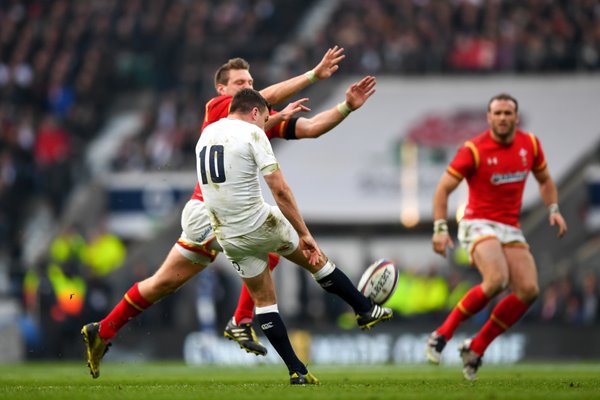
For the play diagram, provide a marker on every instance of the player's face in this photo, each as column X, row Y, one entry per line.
column 238, row 79
column 502, row 118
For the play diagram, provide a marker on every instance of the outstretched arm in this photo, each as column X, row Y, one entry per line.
column 356, row 95
column 549, row 195
column 441, row 239
column 287, row 204
column 280, row 92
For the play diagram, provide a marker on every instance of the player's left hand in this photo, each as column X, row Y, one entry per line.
column 358, row 93
column 329, row 63
column 557, row 219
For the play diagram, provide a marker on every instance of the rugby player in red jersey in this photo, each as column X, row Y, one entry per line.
column 197, row 247
column 495, row 164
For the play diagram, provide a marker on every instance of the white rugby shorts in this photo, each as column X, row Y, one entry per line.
column 474, row 231
column 197, row 242
column 249, row 253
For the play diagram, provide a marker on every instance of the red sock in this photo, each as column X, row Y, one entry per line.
column 469, row 305
column 131, row 306
column 245, row 308
column 504, row 315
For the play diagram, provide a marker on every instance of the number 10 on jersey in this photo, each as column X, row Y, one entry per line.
column 216, row 164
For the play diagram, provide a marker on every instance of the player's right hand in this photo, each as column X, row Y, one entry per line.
column 294, row 107
column 440, row 242
column 310, row 249
column 329, row 63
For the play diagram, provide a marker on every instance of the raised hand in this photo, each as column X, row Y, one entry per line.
column 293, row 108
column 329, row 63
column 358, row 93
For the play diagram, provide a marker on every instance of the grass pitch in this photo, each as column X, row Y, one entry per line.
column 144, row 381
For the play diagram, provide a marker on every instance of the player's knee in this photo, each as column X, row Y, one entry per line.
column 528, row 293
column 495, row 284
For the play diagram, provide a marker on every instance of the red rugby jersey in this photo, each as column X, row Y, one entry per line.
column 496, row 174
column 217, row 108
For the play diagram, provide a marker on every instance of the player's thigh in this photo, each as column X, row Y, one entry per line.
column 175, row 271
column 176, row 267
column 483, row 241
column 197, row 242
column 249, row 257
column 523, row 272
column 490, row 260
column 249, row 252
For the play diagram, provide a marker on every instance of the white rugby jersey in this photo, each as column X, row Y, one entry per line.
column 229, row 155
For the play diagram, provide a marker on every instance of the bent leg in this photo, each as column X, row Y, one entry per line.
column 332, row 280
column 172, row 274
column 523, row 282
column 523, row 273
column 491, row 263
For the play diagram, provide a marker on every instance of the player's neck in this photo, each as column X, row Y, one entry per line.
column 503, row 139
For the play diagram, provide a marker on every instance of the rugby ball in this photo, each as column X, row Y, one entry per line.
column 379, row 281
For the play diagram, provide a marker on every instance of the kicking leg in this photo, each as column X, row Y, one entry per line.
column 333, row 280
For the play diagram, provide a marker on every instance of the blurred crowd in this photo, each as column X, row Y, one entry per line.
column 430, row 36
column 65, row 64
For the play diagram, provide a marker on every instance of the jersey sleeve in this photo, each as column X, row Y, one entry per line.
column 539, row 160
column 263, row 153
column 465, row 161
column 283, row 130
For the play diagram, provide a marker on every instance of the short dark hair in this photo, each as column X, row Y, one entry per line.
column 222, row 74
column 246, row 99
column 504, row 96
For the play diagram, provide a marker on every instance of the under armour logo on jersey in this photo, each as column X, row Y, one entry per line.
column 492, row 161
column 266, row 326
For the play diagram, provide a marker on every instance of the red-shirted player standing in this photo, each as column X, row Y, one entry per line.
column 196, row 248
column 496, row 165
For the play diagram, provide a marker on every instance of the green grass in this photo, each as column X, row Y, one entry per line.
column 143, row 381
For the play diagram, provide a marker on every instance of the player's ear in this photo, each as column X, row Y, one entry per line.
column 220, row 89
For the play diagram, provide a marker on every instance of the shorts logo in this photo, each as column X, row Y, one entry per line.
column 266, row 326
column 204, row 234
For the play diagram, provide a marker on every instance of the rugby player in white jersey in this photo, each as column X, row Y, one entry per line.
column 230, row 154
